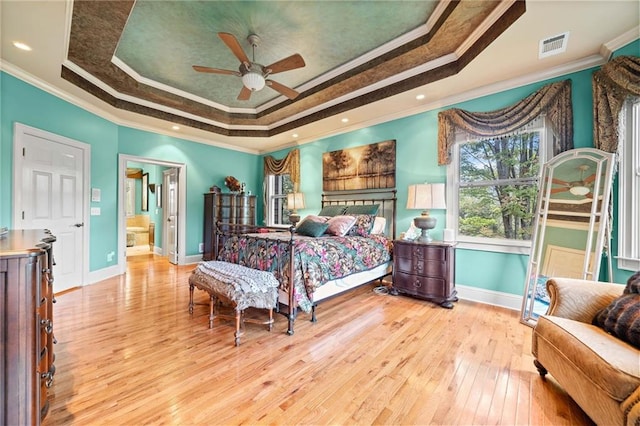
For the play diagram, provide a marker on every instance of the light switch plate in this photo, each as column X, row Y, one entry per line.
column 95, row 211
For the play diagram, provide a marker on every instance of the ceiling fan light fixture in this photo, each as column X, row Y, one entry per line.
column 253, row 81
column 579, row 190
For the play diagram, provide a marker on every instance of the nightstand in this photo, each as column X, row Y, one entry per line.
column 425, row 271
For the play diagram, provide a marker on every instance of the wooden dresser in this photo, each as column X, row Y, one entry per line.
column 26, row 326
column 239, row 209
column 425, row 270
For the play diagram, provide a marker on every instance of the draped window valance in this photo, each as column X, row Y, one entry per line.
column 553, row 100
column 288, row 165
column 612, row 84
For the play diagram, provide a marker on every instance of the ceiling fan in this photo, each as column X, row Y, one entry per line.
column 254, row 75
column 580, row 187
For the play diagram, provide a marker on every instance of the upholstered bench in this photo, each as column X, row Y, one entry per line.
column 237, row 285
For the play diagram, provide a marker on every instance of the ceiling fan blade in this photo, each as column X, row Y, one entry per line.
column 290, row 63
column 200, row 68
column 284, row 90
column 232, row 43
column 589, row 179
column 245, row 94
column 560, row 182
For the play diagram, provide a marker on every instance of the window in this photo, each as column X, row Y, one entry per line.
column 494, row 189
column 629, row 186
column 277, row 188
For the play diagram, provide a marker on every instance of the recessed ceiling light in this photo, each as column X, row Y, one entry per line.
column 175, row 127
column 345, row 120
column 22, row 46
column 420, row 97
column 295, row 135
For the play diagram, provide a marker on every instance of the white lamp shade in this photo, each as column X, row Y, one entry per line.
column 253, row 81
column 426, row 196
column 295, row 201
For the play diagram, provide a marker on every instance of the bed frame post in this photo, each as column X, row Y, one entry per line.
column 292, row 307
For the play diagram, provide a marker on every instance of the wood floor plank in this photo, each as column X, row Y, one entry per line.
column 130, row 353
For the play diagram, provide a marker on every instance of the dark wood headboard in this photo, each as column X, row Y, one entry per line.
column 386, row 198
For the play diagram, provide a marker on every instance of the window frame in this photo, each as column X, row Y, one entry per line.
column 499, row 245
column 628, row 257
column 271, row 195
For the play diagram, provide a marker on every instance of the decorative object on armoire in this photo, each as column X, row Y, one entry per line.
column 26, row 316
column 295, row 201
column 425, row 197
column 232, row 183
column 571, row 228
column 215, row 189
column 226, row 208
column 370, row 166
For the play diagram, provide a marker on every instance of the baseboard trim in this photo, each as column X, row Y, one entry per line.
column 188, row 260
column 490, row 297
column 103, row 274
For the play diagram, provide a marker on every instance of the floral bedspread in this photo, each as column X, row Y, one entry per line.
column 317, row 260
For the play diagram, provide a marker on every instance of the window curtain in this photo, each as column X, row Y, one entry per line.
column 553, row 100
column 288, row 165
column 612, row 84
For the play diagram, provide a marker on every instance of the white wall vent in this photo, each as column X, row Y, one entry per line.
column 553, row 45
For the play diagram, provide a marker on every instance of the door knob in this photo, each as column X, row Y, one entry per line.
column 78, row 225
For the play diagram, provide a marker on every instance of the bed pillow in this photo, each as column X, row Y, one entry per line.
column 334, row 210
column 340, row 225
column 379, row 226
column 362, row 209
column 311, row 228
column 314, row 218
column 363, row 225
column 621, row 318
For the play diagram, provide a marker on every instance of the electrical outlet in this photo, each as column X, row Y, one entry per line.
column 201, row 248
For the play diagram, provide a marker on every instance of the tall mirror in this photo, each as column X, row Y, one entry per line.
column 571, row 224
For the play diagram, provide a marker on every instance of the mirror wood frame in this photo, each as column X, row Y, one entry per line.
column 564, row 210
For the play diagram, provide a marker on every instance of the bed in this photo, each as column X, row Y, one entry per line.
column 312, row 269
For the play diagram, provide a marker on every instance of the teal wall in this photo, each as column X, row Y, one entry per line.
column 206, row 165
column 416, row 162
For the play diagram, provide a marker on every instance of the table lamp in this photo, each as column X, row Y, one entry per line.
column 425, row 197
column 295, row 201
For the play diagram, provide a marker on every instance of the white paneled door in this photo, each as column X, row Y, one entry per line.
column 171, row 213
column 49, row 188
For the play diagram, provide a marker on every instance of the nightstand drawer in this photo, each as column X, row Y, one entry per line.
column 419, row 266
column 422, row 286
column 420, row 251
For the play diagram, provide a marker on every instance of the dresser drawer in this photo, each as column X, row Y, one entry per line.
column 409, row 251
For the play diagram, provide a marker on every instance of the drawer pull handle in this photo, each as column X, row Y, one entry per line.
column 417, row 284
column 48, row 378
column 46, row 325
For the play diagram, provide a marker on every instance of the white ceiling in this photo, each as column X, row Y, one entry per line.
column 595, row 27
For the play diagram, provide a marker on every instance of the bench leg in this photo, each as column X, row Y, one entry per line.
column 238, row 321
column 212, row 309
column 270, row 319
column 191, row 298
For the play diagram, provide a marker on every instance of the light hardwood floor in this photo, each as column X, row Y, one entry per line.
column 130, row 353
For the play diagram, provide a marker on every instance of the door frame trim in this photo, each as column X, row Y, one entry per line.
column 182, row 206
column 19, row 130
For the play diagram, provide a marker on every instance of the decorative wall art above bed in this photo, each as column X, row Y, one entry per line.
column 370, row 166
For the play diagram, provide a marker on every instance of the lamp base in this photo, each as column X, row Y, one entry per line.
column 294, row 219
column 425, row 223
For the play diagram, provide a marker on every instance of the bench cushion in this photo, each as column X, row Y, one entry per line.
column 244, row 286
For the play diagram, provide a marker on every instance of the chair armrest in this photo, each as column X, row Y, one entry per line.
column 578, row 299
